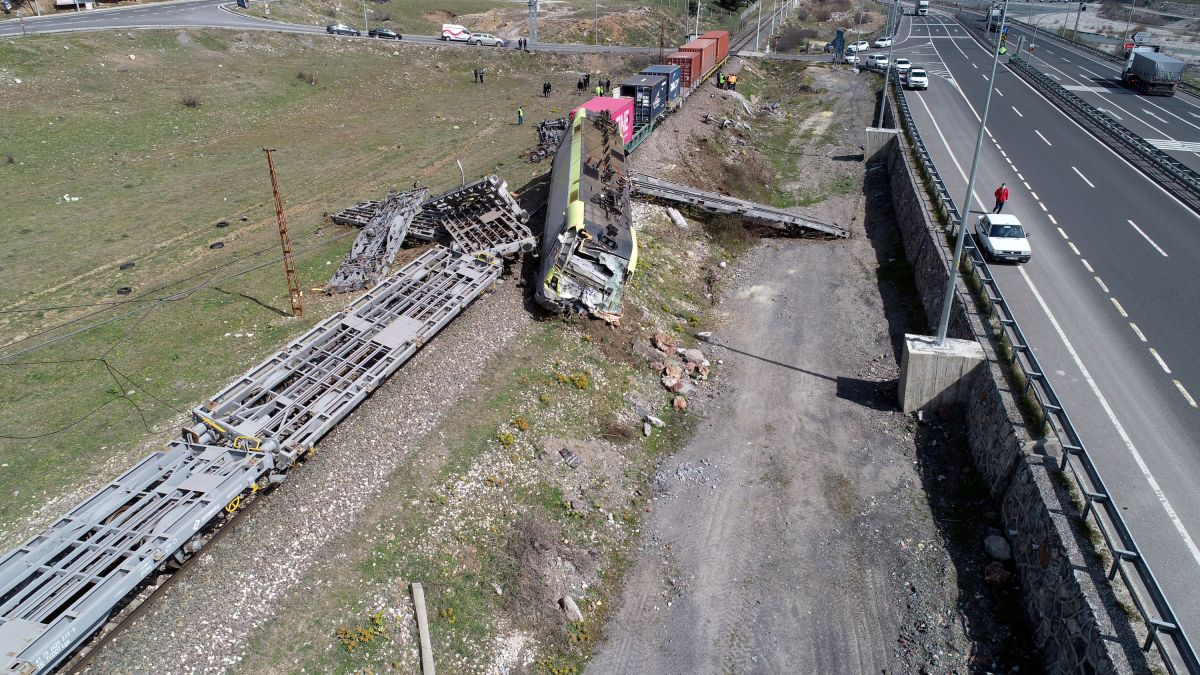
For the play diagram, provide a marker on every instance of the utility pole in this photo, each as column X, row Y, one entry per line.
column 1078, row 13
column 948, row 298
column 596, row 25
column 758, row 24
column 774, row 12
column 366, row 28
column 1128, row 19
column 699, row 7
column 289, row 265
column 533, row 10
column 887, row 72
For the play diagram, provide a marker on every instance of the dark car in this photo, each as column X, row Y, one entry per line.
column 342, row 29
column 384, row 33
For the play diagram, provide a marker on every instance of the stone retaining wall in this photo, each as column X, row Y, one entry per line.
column 1075, row 612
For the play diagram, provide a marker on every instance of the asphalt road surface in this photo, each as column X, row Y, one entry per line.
column 1108, row 301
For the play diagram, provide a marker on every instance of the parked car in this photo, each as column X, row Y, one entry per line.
column 917, row 79
column 902, row 66
column 885, row 41
column 852, row 59
column 384, row 34
column 452, row 32
column 485, row 40
column 879, row 61
column 859, row 46
column 1001, row 237
column 342, row 29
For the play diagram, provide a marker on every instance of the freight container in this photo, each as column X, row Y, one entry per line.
column 672, row 73
column 722, row 38
column 620, row 109
column 708, row 61
column 1151, row 72
column 649, row 94
column 689, row 67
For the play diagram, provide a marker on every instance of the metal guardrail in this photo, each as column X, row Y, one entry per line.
column 1176, row 177
column 1099, row 508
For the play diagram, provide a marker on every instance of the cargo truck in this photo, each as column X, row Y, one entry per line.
column 1150, row 72
column 922, row 7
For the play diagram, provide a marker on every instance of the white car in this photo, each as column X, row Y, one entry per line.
column 885, row 41
column 485, row 39
column 1001, row 237
column 855, row 47
column 917, row 79
column 902, row 66
column 852, row 59
column 879, row 61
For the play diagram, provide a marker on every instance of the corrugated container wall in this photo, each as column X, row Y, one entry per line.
column 708, row 58
column 722, row 38
column 689, row 63
column 649, row 94
column 620, row 109
column 673, row 74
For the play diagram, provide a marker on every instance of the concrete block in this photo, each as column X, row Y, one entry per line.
column 933, row 376
column 877, row 139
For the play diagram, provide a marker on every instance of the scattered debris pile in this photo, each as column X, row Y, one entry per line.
column 550, row 134
column 480, row 217
column 376, row 246
column 358, row 215
column 679, row 367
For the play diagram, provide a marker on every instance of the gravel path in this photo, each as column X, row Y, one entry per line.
column 200, row 625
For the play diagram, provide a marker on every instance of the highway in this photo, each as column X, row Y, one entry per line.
column 1170, row 123
column 1108, row 301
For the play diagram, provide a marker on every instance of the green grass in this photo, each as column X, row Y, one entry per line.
column 153, row 176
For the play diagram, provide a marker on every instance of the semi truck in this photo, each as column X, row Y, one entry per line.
column 922, row 7
column 1150, row 72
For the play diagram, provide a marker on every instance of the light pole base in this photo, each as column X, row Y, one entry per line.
column 936, row 377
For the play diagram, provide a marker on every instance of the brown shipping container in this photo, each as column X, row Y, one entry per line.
column 708, row 51
column 722, row 38
column 688, row 62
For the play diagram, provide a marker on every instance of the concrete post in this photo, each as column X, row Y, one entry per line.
column 933, row 376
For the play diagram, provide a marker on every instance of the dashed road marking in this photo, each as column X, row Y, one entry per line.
column 1138, row 331
column 1075, row 250
column 1119, row 308
column 1147, row 237
column 1052, row 220
column 1017, row 111
column 1026, row 184
column 1154, row 116
column 1110, row 113
column 1043, row 137
column 1034, row 195
column 1102, row 286
column 1160, row 360
column 999, row 92
column 1080, row 174
column 1191, row 401
column 1044, row 209
column 1087, row 265
column 1020, row 176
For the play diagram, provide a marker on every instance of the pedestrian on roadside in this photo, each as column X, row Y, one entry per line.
column 1001, row 197
column 481, row 76
column 579, row 85
column 520, row 116
column 608, row 85
column 733, row 82
column 587, row 80
column 720, row 80
column 599, row 90
column 475, row 74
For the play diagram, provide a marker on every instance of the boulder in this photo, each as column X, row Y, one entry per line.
column 679, row 403
column 997, row 547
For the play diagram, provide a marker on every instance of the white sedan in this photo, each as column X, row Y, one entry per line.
column 859, row 46
column 902, row 66
column 885, row 41
column 917, row 79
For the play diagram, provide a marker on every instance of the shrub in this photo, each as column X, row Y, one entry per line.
column 191, row 101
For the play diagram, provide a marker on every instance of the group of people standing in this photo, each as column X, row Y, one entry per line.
column 727, row 81
column 585, row 83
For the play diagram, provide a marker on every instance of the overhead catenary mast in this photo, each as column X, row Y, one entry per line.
column 289, row 265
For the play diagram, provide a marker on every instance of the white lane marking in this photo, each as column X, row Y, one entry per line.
column 1080, row 173
column 946, row 144
column 1043, row 137
column 1091, row 73
column 1003, row 153
column 1154, row 116
column 1172, row 144
column 1017, row 111
column 1064, row 234
column 999, row 92
column 1034, row 195
column 1191, row 401
column 1160, row 360
column 983, row 76
column 1120, row 309
column 1106, row 111
column 1014, row 168
column 1112, row 417
column 1105, row 288
column 1044, row 209
column 1138, row 331
column 1055, row 222
column 1020, row 176
column 1087, row 265
column 1147, row 237
column 1074, row 249
column 976, row 68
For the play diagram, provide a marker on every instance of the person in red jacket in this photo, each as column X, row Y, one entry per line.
column 1001, row 197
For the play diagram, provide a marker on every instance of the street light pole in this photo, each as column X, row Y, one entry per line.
column 952, row 276
column 366, row 28
column 1078, row 13
column 887, row 72
column 774, row 11
column 1128, row 19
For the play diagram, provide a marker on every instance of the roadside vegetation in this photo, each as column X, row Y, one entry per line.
column 148, row 198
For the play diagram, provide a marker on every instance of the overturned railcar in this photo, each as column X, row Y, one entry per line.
column 589, row 246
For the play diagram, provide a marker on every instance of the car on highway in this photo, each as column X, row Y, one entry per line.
column 384, row 34
column 879, row 61
column 852, row 59
column 902, row 66
column 485, row 40
column 342, row 29
column 917, row 79
column 859, row 46
column 1001, row 237
column 885, row 41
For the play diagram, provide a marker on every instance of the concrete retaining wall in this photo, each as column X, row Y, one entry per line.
column 1078, row 620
